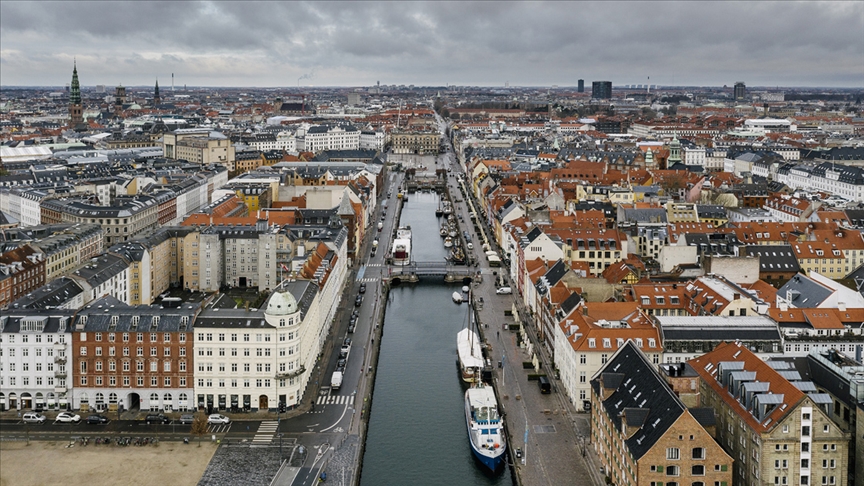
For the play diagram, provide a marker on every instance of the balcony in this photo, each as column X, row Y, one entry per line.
column 60, row 374
column 59, row 388
column 60, row 359
column 291, row 374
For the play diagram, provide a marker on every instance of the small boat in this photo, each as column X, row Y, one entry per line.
column 443, row 231
column 402, row 246
column 452, row 234
column 465, row 289
column 485, row 427
column 448, row 242
column 457, row 297
column 457, row 256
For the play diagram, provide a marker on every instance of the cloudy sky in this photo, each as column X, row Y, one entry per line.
column 783, row 43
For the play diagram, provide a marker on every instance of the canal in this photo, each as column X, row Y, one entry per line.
column 417, row 431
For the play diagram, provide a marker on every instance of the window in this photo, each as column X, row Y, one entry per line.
column 673, row 453
column 825, row 429
column 698, row 470
column 671, row 470
column 698, row 453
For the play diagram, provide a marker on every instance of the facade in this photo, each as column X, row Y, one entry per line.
column 323, row 137
column 643, row 433
column 133, row 357
column 601, row 90
column 419, row 141
column 67, row 248
column 34, row 348
column 199, row 146
column 739, row 91
column 121, row 221
column 261, row 359
column 774, row 423
column 21, row 271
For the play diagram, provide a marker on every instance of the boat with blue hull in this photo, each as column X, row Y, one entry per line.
column 485, row 427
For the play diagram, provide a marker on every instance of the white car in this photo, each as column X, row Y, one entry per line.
column 67, row 417
column 218, row 419
column 504, row 291
column 34, row 418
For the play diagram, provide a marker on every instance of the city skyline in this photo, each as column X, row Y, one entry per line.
column 433, row 44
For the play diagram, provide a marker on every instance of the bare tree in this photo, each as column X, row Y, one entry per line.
column 199, row 427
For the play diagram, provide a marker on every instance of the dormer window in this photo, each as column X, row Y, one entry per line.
column 592, row 343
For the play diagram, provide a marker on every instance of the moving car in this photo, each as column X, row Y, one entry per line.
column 218, row 419
column 67, row 417
column 156, row 418
column 97, row 419
column 33, row 418
column 187, row 418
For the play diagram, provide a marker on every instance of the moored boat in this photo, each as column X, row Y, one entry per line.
column 402, row 246
column 485, row 427
column 457, row 297
column 448, row 242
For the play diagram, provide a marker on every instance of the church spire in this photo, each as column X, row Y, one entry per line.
column 156, row 98
column 75, row 89
column 76, row 112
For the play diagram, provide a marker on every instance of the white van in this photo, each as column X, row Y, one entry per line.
column 504, row 291
column 33, row 418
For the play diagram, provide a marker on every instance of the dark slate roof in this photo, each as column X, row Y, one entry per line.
column 846, row 173
column 108, row 314
column 774, row 258
column 232, row 319
column 51, row 295
column 710, row 211
column 717, row 333
column 570, row 303
column 101, row 269
column 53, row 320
column 705, row 416
column 642, row 388
column 644, row 215
column 804, row 292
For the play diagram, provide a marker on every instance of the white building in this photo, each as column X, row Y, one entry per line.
column 323, row 137
column 34, row 347
column 372, row 140
column 257, row 360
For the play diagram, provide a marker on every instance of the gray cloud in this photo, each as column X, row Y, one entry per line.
column 484, row 43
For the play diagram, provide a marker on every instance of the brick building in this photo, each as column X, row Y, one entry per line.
column 643, row 433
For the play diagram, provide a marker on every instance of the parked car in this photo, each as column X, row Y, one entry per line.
column 346, row 342
column 362, row 288
column 340, row 365
column 33, row 418
column 97, row 419
column 218, row 419
column 504, row 291
column 68, row 417
column 358, row 301
column 156, row 418
column 187, row 418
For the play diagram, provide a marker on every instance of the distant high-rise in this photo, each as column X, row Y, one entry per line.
column 581, row 88
column 76, row 112
column 740, row 91
column 601, row 90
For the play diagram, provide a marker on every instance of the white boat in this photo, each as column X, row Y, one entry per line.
column 457, row 297
column 402, row 246
column 469, row 353
column 448, row 242
column 466, row 289
column 485, row 427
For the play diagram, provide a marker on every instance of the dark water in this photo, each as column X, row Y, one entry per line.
column 419, row 213
column 417, row 432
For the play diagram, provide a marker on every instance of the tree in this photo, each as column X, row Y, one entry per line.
column 199, row 427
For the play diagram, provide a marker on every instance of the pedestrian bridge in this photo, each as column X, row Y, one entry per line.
column 414, row 271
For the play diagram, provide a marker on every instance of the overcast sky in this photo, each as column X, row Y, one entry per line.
column 487, row 43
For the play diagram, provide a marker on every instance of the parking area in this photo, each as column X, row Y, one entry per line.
column 178, row 464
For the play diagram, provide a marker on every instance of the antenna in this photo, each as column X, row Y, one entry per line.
column 649, row 85
column 172, row 82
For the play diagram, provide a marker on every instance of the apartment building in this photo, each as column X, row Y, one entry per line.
column 259, row 359
column 642, row 432
column 126, row 218
column 776, row 425
column 585, row 342
column 67, row 248
column 418, row 141
column 21, row 271
column 199, row 146
column 34, row 348
column 128, row 357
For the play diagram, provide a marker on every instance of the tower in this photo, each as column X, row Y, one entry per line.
column 119, row 98
column 156, row 99
column 601, row 90
column 76, row 113
column 740, row 91
column 580, row 86
column 674, row 152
